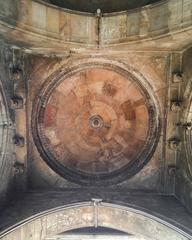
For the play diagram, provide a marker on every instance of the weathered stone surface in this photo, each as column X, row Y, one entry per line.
column 45, row 43
column 6, row 126
column 82, row 145
column 96, row 121
column 130, row 220
column 41, row 22
column 184, row 173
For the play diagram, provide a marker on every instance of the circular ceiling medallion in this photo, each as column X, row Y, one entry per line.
column 95, row 123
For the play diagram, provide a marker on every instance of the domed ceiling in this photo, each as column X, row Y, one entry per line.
column 94, row 125
column 106, row 6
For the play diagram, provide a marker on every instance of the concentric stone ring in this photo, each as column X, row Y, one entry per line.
column 95, row 124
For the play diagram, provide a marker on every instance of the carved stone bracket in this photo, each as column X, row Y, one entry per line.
column 174, row 143
column 98, row 13
column 7, row 125
column 16, row 73
column 177, row 77
column 176, row 105
column 187, row 126
column 18, row 168
column 172, row 169
column 16, row 102
column 96, row 203
column 18, row 140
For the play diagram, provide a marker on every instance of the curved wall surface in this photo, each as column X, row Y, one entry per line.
column 37, row 24
column 5, row 134
column 6, row 129
column 184, row 156
column 88, row 214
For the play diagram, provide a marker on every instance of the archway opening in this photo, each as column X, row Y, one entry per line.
column 97, row 218
column 107, row 6
column 92, row 233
